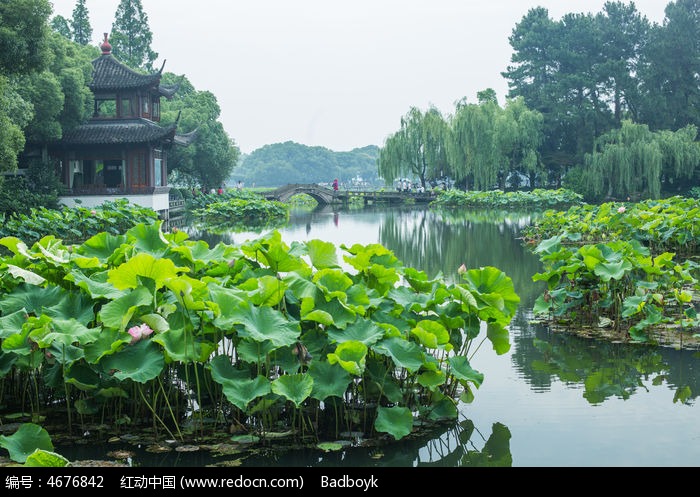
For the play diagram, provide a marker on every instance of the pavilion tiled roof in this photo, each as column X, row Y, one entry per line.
column 119, row 132
column 110, row 74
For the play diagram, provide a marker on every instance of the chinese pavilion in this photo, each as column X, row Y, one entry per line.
column 121, row 152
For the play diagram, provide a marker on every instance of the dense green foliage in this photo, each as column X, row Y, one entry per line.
column 211, row 158
column 236, row 210
column 629, row 267
column 152, row 327
column 283, row 163
column 75, row 225
column 537, row 199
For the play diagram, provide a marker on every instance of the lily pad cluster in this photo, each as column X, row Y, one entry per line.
column 149, row 327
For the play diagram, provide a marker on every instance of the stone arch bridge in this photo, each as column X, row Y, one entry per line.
column 325, row 196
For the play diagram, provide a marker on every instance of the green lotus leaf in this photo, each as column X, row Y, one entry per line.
column 275, row 252
column 382, row 279
column 16, row 246
column 265, row 290
column 409, row 299
column 418, row 280
column 45, row 459
column 330, row 380
column 29, row 277
column 242, row 392
column 549, row 246
column 322, row 254
column 82, row 376
column 222, row 370
column 396, row 421
column 143, row 264
column 432, row 379
column 612, row 270
column 230, row 301
column 200, row 254
column 182, row 346
column 148, row 238
column 103, row 246
column 300, row 286
column 365, row 255
column 463, row 371
column 65, row 332
column 96, row 285
column 265, row 323
column 294, row 387
column 499, row 337
column 85, row 262
column 53, row 251
column 592, row 255
column 442, row 408
column 362, row 330
column 7, row 362
column 309, row 313
column 492, row 281
column 342, row 315
column 380, row 382
column 351, row 356
column 253, row 351
column 140, row 362
column 317, row 343
column 156, row 322
column 191, row 292
column 358, row 298
column 17, row 343
column 466, row 297
column 432, row 334
column 633, row 305
column 12, row 323
column 32, row 298
column 332, row 281
column 73, row 305
column 118, row 313
column 405, row 354
column 108, row 342
column 22, row 443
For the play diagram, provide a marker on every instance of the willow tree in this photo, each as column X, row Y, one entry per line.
column 417, row 149
column 518, row 134
column 626, row 162
column 471, row 148
column 680, row 151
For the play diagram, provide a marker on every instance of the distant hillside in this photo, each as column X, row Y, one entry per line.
column 283, row 163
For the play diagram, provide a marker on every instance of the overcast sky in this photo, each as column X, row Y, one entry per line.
column 330, row 73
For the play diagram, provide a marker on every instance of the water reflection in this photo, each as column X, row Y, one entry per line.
column 602, row 369
column 554, row 399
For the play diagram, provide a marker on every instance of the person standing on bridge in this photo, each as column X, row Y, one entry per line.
column 335, row 185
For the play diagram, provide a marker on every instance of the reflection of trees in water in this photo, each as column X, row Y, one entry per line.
column 435, row 242
column 603, row 368
column 451, row 445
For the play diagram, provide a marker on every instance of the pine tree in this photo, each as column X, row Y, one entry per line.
column 131, row 36
column 80, row 24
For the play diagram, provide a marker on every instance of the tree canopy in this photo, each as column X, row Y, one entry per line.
column 131, row 36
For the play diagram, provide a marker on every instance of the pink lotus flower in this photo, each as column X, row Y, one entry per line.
column 93, row 212
column 139, row 332
column 621, row 209
column 462, row 269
